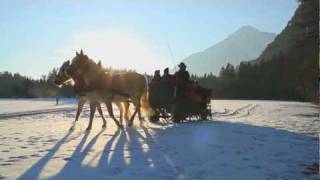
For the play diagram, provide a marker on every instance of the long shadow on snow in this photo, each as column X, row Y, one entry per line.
column 192, row 151
column 35, row 170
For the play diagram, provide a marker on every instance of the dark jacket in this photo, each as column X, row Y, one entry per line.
column 182, row 78
column 182, row 83
column 168, row 78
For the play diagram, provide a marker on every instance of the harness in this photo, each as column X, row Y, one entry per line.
column 97, row 86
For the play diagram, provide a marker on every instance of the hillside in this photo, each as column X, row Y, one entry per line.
column 286, row 70
column 297, row 45
column 245, row 44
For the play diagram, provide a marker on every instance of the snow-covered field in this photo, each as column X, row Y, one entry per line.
column 20, row 107
column 245, row 140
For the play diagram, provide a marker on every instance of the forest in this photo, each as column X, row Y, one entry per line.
column 276, row 79
column 18, row 86
column 14, row 85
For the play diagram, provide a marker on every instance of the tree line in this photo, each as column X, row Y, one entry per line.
column 19, row 86
column 277, row 79
column 14, row 85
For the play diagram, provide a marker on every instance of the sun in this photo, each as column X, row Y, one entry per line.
column 115, row 49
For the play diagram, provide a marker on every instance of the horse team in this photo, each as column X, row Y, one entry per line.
column 93, row 84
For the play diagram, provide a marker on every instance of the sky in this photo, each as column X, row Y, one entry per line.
column 37, row 36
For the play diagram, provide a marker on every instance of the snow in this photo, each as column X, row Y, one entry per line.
column 19, row 107
column 292, row 116
column 245, row 140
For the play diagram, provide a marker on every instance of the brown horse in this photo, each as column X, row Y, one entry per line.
column 131, row 84
column 63, row 77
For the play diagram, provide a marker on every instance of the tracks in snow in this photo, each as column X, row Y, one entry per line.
column 243, row 111
column 29, row 113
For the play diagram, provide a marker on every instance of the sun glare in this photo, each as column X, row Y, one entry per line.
column 116, row 50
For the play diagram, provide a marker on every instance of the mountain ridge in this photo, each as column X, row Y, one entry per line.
column 245, row 44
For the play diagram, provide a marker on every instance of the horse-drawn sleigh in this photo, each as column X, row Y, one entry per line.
column 167, row 104
column 97, row 86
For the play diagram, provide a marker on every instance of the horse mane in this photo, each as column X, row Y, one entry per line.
column 88, row 70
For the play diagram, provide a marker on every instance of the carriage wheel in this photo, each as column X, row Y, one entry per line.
column 155, row 118
column 204, row 115
column 178, row 116
column 180, row 111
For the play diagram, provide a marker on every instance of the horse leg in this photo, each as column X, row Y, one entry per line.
column 136, row 102
column 119, row 105
column 80, row 107
column 139, row 114
column 126, row 111
column 79, row 110
column 138, row 106
column 132, row 117
column 93, row 106
column 110, row 110
column 101, row 114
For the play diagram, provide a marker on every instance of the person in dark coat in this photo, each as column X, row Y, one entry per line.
column 167, row 77
column 168, row 82
column 156, row 76
column 182, row 81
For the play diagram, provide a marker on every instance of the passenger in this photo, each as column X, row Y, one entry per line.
column 182, row 81
column 156, row 76
column 167, row 77
column 168, row 82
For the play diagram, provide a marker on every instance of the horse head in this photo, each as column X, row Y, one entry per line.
column 83, row 67
column 81, row 70
column 64, row 74
column 79, row 63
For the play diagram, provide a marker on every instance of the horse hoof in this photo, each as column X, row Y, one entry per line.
column 71, row 129
column 88, row 129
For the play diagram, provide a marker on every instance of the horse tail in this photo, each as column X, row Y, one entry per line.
column 146, row 108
